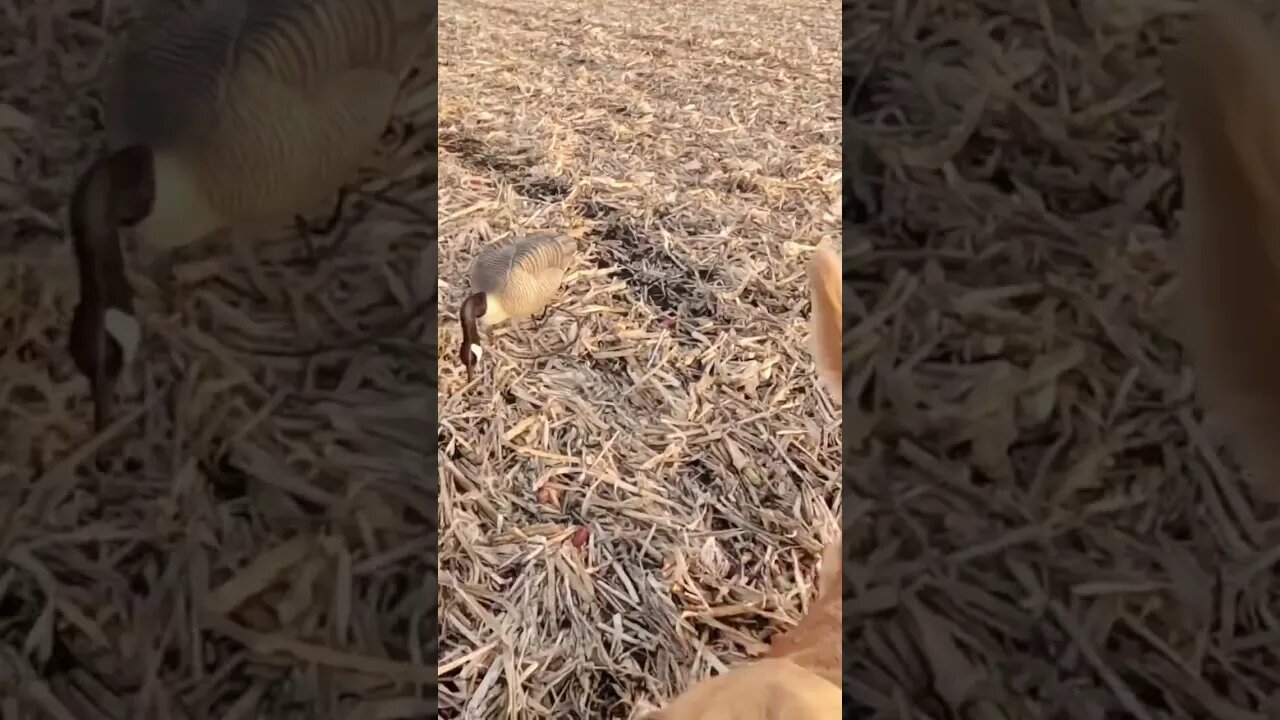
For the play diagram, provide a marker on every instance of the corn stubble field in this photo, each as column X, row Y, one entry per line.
column 1042, row 522
column 257, row 541
column 635, row 495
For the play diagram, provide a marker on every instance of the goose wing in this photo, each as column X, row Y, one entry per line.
column 181, row 60
column 531, row 256
column 271, row 104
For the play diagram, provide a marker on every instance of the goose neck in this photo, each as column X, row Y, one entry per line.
column 95, row 240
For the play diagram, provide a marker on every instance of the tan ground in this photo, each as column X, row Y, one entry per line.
column 259, row 542
column 693, row 148
column 1042, row 524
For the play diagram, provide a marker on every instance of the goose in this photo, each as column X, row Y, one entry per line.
column 228, row 115
column 104, row 334
column 515, row 280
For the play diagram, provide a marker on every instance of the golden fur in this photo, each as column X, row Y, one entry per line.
column 799, row 678
column 1228, row 105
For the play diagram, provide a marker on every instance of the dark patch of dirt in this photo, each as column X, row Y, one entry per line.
column 654, row 276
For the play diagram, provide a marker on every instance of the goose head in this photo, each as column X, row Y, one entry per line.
column 116, row 191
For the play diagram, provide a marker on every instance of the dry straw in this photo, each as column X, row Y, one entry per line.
column 256, row 546
column 1044, row 525
column 693, row 150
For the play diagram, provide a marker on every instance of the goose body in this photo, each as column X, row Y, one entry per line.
column 256, row 110
column 227, row 114
column 515, row 280
column 520, row 279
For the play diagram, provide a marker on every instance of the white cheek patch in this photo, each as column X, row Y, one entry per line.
column 126, row 330
column 477, row 351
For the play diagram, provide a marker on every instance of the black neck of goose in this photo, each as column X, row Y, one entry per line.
column 93, row 235
column 95, row 238
column 116, row 190
column 474, row 307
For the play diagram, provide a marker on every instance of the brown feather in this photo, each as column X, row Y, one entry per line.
column 524, row 274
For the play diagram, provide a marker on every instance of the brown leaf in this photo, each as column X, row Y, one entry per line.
column 549, row 496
